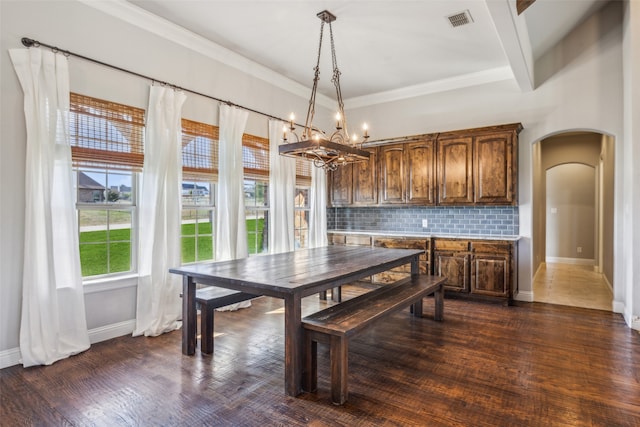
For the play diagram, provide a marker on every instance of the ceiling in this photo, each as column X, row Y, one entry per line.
column 385, row 49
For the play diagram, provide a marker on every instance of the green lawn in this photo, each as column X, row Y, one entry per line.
column 99, row 255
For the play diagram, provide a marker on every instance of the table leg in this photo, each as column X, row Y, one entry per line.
column 188, row 315
column 415, row 269
column 293, row 342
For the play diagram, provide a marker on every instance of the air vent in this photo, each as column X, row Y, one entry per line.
column 459, row 19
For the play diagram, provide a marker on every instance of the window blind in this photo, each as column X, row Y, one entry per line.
column 199, row 151
column 255, row 157
column 105, row 134
column 303, row 172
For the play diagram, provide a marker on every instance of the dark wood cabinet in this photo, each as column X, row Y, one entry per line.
column 491, row 268
column 452, row 260
column 365, row 189
column 494, row 169
column 420, row 164
column 392, row 179
column 478, row 267
column 341, row 185
column 354, row 184
column 457, row 168
column 424, row 263
column 455, row 173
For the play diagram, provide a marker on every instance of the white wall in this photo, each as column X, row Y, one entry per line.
column 627, row 270
column 84, row 30
column 571, row 212
column 580, row 89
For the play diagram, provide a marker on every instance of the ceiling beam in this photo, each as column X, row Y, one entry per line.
column 522, row 5
column 514, row 36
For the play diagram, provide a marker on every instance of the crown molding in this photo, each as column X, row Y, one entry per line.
column 457, row 82
column 154, row 24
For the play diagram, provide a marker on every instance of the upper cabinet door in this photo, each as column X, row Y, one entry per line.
column 341, row 184
column 455, row 177
column 365, row 188
column 392, row 181
column 420, row 161
column 494, row 169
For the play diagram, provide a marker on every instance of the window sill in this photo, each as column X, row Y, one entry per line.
column 110, row 283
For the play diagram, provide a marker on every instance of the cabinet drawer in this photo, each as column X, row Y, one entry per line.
column 405, row 243
column 497, row 247
column 400, row 272
column 355, row 240
column 451, row 245
column 337, row 239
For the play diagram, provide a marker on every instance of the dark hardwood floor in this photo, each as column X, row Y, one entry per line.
column 485, row 365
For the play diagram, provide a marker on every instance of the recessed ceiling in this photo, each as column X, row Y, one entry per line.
column 381, row 46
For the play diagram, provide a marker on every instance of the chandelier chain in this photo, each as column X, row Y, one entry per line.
column 336, row 82
column 312, row 101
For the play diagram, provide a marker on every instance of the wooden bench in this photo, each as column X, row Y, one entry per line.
column 336, row 324
column 207, row 300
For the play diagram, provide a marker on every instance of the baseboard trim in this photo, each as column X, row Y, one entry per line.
column 525, row 296
column 12, row 356
column 114, row 330
column 617, row 307
column 577, row 261
column 606, row 281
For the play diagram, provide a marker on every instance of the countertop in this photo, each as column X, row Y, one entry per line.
column 426, row 235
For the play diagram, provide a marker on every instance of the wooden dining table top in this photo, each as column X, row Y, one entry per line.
column 298, row 271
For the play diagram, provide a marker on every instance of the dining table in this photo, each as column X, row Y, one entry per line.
column 290, row 276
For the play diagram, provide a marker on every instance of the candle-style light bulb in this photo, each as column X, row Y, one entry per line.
column 284, row 132
column 365, row 129
column 292, row 117
column 338, row 120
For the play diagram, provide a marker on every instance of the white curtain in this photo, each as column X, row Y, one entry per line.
column 158, row 305
column 282, row 187
column 53, row 324
column 318, row 208
column 231, row 225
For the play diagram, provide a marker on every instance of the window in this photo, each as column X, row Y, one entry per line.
column 301, row 217
column 199, row 172
column 107, row 152
column 255, row 159
column 301, row 203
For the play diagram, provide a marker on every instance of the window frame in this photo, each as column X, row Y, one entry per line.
column 107, row 138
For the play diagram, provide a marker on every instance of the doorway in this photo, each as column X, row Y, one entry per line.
column 573, row 231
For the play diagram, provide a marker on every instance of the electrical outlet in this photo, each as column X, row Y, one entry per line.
column 579, row 249
column 425, row 223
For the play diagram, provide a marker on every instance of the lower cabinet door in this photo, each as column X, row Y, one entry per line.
column 455, row 267
column 490, row 275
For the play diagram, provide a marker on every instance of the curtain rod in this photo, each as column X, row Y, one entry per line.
column 35, row 43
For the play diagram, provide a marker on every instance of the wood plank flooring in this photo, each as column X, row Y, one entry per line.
column 531, row 364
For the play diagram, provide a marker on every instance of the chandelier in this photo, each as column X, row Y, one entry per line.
column 326, row 151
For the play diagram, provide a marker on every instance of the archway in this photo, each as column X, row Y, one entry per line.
column 573, row 219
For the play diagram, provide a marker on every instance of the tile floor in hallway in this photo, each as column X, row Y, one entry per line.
column 572, row 284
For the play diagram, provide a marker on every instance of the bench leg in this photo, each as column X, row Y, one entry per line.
column 206, row 329
column 416, row 308
column 323, row 295
column 339, row 369
column 439, row 301
column 336, row 294
column 310, row 355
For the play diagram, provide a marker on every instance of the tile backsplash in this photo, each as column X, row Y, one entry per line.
column 467, row 220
